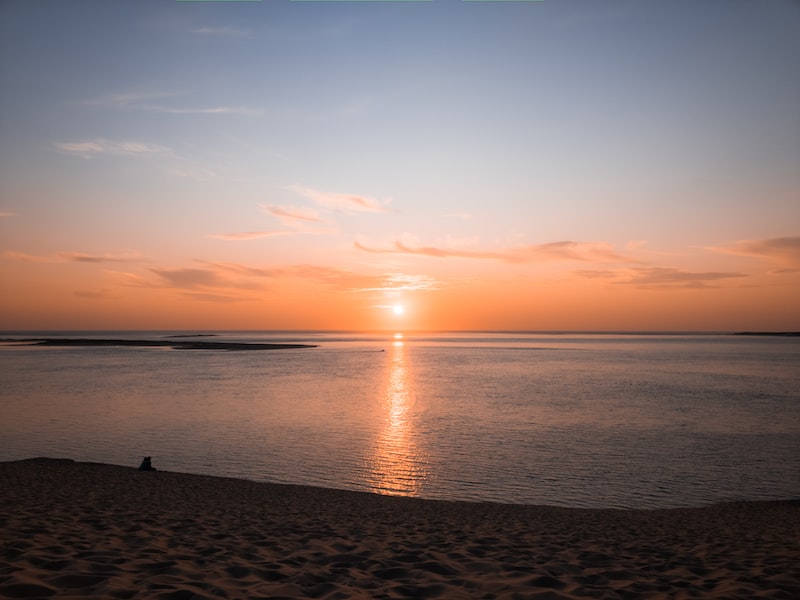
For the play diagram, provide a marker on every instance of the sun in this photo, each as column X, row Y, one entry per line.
column 398, row 309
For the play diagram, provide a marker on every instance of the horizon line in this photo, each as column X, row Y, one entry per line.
column 394, row 331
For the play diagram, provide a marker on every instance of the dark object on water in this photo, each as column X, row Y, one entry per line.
column 146, row 465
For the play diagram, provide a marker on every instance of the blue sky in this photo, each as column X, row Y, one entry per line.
column 182, row 131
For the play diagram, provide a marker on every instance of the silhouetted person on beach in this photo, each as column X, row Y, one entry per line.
column 146, row 465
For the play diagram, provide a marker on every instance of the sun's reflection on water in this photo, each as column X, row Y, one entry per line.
column 396, row 464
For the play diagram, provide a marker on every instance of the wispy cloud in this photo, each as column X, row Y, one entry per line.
column 340, row 201
column 232, row 278
column 100, row 147
column 597, row 252
column 126, row 278
column 191, row 277
column 250, row 235
column 98, row 258
column 299, row 219
column 338, row 279
column 661, row 277
column 196, row 173
column 211, row 297
column 210, row 282
column 6, row 215
column 144, row 101
column 401, row 282
column 289, row 215
column 80, row 257
column 206, row 284
column 25, row 257
column 783, row 250
column 225, row 31
column 128, row 99
column 212, row 110
column 235, row 282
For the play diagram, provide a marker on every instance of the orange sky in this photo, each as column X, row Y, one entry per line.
column 63, row 294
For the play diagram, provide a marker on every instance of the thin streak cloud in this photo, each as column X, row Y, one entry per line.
column 402, row 282
column 215, row 110
column 25, row 257
column 292, row 214
column 661, row 277
column 781, row 249
column 341, row 202
column 250, row 235
column 239, row 281
column 97, row 258
column 142, row 101
column 80, row 257
column 195, row 173
column 340, row 279
column 101, row 147
column 225, row 31
column 190, row 277
column 554, row 251
column 212, row 297
column 127, row 99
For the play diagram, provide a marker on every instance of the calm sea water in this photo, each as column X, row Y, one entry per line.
column 570, row 420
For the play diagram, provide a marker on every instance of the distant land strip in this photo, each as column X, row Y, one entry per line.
column 175, row 344
column 772, row 333
column 191, row 335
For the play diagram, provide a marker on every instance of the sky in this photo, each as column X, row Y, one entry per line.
column 614, row 165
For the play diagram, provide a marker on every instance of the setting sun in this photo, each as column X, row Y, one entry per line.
column 398, row 309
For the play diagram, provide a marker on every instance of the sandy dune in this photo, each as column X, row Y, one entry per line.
column 77, row 530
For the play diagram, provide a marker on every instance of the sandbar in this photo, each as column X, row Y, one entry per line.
column 168, row 343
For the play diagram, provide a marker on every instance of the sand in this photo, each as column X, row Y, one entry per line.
column 78, row 530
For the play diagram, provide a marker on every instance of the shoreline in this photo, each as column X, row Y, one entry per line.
column 74, row 530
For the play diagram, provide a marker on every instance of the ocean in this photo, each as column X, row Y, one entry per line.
column 579, row 420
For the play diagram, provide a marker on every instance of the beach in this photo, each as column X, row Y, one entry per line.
column 77, row 530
